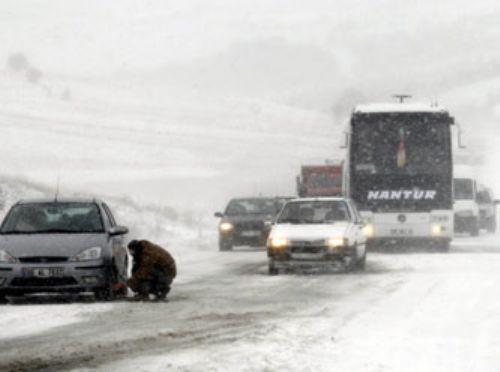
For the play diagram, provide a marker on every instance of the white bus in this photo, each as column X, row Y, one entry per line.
column 399, row 172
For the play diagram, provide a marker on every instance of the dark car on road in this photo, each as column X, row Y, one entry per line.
column 247, row 221
column 70, row 246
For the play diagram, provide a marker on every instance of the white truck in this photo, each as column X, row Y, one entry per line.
column 465, row 205
column 487, row 209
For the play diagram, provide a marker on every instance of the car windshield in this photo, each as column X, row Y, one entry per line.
column 54, row 217
column 240, row 207
column 324, row 180
column 464, row 189
column 484, row 197
column 315, row 212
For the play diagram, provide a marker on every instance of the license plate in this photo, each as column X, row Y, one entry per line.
column 250, row 234
column 44, row 272
column 401, row 232
column 308, row 256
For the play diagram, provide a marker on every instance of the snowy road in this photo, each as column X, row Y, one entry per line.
column 409, row 311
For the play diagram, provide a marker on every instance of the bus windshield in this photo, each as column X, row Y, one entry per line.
column 403, row 144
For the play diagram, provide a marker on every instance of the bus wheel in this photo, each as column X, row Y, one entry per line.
column 443, row 246
column 491, row 225
column 474, row 231
column 225, row 246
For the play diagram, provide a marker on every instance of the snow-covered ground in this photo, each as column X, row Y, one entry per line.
column 416, row 311
column 409, row 311
column 25, row 321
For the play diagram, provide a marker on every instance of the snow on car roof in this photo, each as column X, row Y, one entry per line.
column 398, row 107
column 321, row 198
column 263, row 198
column 59, row 200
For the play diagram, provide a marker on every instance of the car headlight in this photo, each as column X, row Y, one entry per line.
column 336, row 241
column 278, row 242
column 88, row 254
column 226, row 226
column 369, row 230
column 6, row 257
column 436, row 229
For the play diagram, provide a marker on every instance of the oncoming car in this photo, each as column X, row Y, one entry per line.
column 247, row 221
column 317, row 231
column 68, row 246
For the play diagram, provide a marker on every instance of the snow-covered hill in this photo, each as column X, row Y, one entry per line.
column 186, row 151
column 188, row 103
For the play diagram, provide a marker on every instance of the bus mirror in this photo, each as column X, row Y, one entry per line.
column 346, row 141
column 459, row 135
column 460, row 144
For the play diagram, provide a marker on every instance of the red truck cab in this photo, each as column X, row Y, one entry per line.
column 320, row 180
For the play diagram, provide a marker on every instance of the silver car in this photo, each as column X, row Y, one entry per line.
column 70, row 245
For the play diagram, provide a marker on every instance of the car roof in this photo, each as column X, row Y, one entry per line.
column 59, row 200
column 481, row 187
column 264, row 198
column 321, row 198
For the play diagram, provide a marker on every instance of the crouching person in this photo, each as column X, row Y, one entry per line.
column 153, row 270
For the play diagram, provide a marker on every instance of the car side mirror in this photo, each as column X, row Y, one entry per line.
column 218, row 214
column 118, row 230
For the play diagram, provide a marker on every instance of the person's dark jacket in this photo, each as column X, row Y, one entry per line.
column 148, row 259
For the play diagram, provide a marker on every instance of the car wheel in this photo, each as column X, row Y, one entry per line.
column 352, row 263
column 107, row 293
column 273, row 270
column 225, row 246
column 3, row 299
column 474, row 231
column 104, row 294
column 361, row 263
column 371, row 245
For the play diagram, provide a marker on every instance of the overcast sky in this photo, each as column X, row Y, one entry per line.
column 92, row 37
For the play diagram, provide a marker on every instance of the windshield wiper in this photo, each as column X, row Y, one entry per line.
column 53, row 231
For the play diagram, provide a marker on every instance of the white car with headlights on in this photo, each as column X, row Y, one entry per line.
column 313, row 232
